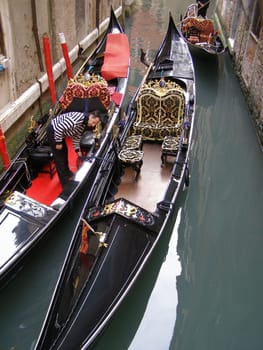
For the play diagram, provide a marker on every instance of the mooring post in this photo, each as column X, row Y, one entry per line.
column 49, row 69
column 66, row 55
column 3, row 150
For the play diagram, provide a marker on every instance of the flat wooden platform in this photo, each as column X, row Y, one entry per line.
column 152, row 182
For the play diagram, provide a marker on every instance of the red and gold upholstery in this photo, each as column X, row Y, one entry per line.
column 80, row 90
column 197, row 29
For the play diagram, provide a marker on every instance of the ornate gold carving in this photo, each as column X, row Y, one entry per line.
column 92, row 79
column 160, row 88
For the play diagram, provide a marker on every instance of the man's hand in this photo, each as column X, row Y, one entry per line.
column 59, row 146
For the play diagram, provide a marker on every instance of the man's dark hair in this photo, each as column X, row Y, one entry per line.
column 96, row 114
column 102, row 116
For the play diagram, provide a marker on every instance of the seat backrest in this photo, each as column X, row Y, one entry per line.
column 76, row 90
column 160, row 106
column 172, row 106
column 147, row 106
column 202, row 25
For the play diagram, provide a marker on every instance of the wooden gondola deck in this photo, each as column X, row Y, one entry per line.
column 153, row 179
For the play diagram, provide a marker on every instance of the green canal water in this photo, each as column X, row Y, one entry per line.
column 203, row 287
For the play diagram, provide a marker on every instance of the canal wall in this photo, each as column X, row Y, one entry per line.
column 242, row 25
column 24, row 88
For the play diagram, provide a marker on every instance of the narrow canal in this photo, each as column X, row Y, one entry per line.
column 203, row 288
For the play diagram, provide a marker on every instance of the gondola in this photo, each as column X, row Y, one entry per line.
column 200, row 33
column 31, row 197
column 132, row 199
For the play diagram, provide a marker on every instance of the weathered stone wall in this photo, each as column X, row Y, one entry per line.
column 23, row 62
column 75, row 18
column 246, row 49
column 23, row 84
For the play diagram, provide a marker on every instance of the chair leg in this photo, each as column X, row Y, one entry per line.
column 137, row 168
column 162, row 160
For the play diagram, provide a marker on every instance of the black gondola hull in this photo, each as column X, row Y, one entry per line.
column 127, row 209
column 25, row 221
column 119, row 262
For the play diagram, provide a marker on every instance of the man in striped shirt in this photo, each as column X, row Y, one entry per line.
column 71, row 124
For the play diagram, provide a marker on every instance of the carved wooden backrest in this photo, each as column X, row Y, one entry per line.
column 86, row 89
column 148, row 106
column 160, row 106
column 204, row 26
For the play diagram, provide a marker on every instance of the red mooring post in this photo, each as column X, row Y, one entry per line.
column 3, row 150
column 49, row 69
column 64, row 47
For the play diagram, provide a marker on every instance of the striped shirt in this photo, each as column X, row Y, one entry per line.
column 71, row 124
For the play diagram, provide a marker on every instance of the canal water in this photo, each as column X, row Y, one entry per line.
column 203, row 287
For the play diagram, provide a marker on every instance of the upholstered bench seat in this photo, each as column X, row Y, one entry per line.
column 170, row 147
column 133, row 142
column 155, row 132
column 132, row 158
column 147, row 130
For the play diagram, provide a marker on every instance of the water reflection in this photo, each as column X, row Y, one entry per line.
column 219, row 288
column 163, row 300
column 207, row 72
